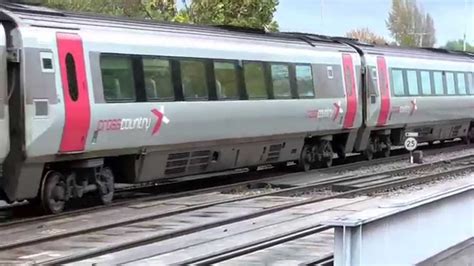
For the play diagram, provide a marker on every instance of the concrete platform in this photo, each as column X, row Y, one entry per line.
column 407, row 228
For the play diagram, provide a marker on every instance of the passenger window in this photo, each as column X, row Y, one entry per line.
column 461, row 83
column 412, row 82
column 470, row 83
column 438, row 83
column 304, row 81
column 425, row 82
column 398, row 84
column 451, row 85
column 193, row 79
column 255, row 81
column 226, row 80
column 158, row 80
column 117, row 78
column 281, row 81
column 72, row 77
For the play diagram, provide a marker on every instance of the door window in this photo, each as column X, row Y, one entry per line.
column 72, row 77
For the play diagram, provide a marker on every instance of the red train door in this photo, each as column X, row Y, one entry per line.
column 351, row 90
column 384, row 86
column 76, row 94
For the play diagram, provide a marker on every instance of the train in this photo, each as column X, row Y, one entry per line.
column 88, row 101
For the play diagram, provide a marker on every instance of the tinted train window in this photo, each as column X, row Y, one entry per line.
column 304, row 81
column 281, row 81
column 255, row 80
column 158, row 80
column 72, row 77
column 425, row 82
column 451, row 85
column 438, row 83
column 226, row 80
column 193, row 79
column 117, row 78
column 461, row 83
column 470, row 82
column 412, row 82
column 398, row 84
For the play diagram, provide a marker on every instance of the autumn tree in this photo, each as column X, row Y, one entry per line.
column 366, row 35
column 409, row 25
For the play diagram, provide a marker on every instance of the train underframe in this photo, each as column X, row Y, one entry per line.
column 63, row 181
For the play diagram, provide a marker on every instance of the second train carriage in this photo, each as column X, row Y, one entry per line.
column 430, row 92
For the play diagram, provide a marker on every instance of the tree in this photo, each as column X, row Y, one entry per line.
column 366, row 35
column 240, row 13
column 409, row 25
column 148, row 9
column 458, row 45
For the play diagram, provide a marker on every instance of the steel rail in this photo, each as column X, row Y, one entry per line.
column 152, row 239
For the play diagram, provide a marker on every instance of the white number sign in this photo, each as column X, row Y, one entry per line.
column 411, row 144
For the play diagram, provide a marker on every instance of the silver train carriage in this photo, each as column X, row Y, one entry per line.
column 427, row 91
column 105, row 99
column 96, row 100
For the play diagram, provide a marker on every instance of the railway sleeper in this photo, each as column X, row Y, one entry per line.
column 61, row 184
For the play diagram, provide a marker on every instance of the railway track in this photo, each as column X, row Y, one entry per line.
column 28, row 240
column 213, row 182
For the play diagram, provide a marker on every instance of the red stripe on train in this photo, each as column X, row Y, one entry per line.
column 384, row 86
column 351, row 90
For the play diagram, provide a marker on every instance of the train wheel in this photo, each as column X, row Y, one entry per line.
column 306, row 159
column 105, row 183
column 53, row 193
column 327, row 153
column 369, row 152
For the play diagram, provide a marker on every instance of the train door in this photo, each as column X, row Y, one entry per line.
column 351, row 90
column 76, row 94
column 384, row 86
column 4, row 123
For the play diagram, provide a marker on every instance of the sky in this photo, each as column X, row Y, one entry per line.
column 451, row 17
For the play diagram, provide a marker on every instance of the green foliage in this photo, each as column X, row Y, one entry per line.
column 409, row 25
column 243, row 13
column 149, row 9
column 458, row 45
